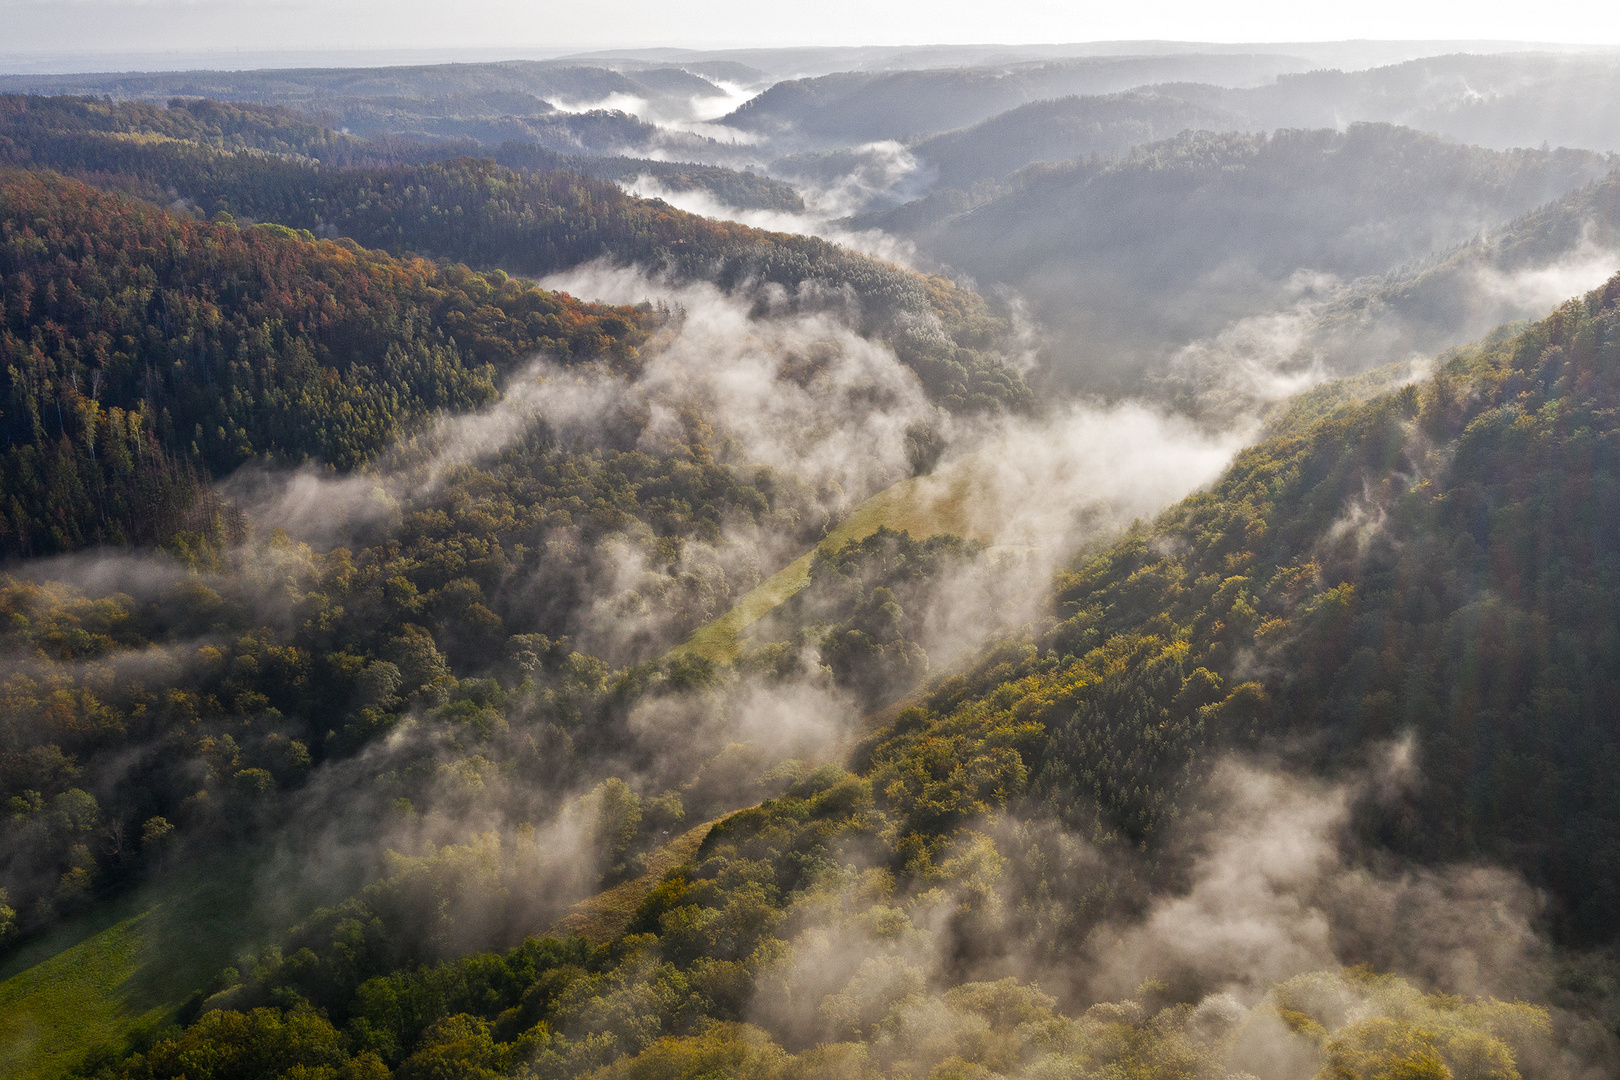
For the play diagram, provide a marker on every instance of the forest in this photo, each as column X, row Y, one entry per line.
column 43, row 127
column 460, row 619
column 1244, row 213
column 488, row 103
column 183, row 348
column 1268, row 606
column 530, row 222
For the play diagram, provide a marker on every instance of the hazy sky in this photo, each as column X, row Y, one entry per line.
column 81, row 26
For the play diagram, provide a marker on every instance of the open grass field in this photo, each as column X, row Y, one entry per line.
column 74, row 1001
column 94, row 982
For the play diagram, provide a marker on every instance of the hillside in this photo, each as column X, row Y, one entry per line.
column 1219, row 227
column 363, row 492
column 175, row 345
column 956, row 130
column 615, row 105
column 1064, row 129
column 1497, row 101
column 486, row 102
column 63, row 130
column 1432, row 563
column 461, row 621
column 532, row 222
column 1501, row 101
column 920, row 506
column 1283, row 605
column 1514, row 272
column 148, row 352
column 857, row 107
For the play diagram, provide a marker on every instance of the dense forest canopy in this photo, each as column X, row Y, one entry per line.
column 1429, row 562
column 173, row 344
column 411, row 670
column 530, row 222
column 150, row 353
column 1271, row 607
column 72, row 131
column 147, row 354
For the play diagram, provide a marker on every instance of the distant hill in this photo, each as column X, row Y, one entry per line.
column 1501, row 101
column 1064, row 129
column 39, row 129
column 565, row 107
column 1217, row 227
column 1517, row 271
column 855, row 107
column 535, row 221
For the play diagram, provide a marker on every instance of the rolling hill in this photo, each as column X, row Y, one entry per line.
column 409, row 671
column 1219, row 227
column 1432, row 561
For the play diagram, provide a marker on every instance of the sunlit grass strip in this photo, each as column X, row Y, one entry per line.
column 921, row 506
column 605, row 916
column 53, row 1013
column 99, row 978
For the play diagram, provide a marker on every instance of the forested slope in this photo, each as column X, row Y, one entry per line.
column 1500, row 101
column 861, row 106
column 486, row 102
column 70, row 132
column 454, row 714
column 1064, row 129
column 1435, row 562
column 1222, row 226
column 142, row 344
column 1432, row 564
column 1507, row 274
column 146, row 354
column 537, row 222
column 149, row 354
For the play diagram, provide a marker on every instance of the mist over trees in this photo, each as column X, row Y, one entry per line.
column 460, row 619
column 1225, row 226
column 866, row 106
column 535, row 222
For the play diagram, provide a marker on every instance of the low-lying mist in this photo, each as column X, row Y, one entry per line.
column 490, row 790
column 867, row 716
column 799, row 395
column 1274, row 906
column 823, row 209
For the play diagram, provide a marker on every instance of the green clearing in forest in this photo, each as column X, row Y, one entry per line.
column 94, row 982
column 922, row 506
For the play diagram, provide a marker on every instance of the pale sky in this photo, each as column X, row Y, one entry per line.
column 128, row 26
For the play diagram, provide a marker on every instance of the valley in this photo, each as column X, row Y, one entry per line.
column 958, row 561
